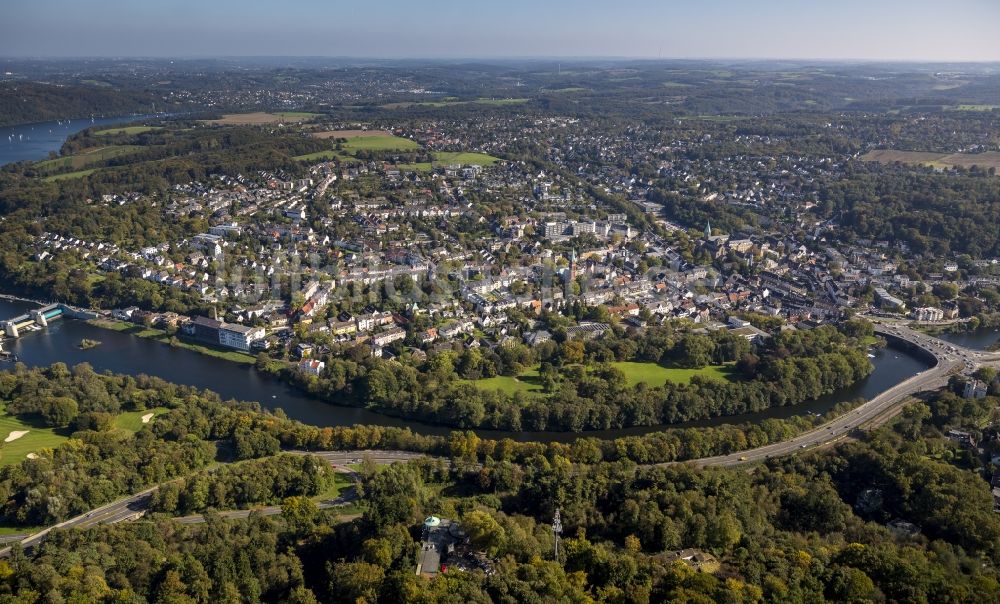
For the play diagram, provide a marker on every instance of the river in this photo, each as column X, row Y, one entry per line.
column 34, row 141
column 122, row 353
column 980, row 339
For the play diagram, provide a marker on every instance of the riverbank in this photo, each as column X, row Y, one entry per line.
column 163, row 337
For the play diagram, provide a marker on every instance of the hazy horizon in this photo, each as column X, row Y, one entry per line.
column 852, row 30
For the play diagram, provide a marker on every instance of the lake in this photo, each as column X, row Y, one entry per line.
column 122, row 353
column 34, row 141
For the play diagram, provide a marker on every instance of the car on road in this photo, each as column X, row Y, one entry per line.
column 743, row 457
column 802, row 446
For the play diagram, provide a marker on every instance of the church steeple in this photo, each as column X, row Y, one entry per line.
column 708, row 229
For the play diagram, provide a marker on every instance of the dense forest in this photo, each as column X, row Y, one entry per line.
column 30, row 102
column 810, row 528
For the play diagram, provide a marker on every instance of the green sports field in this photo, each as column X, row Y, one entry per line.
column 132, row 420
column 37, row 438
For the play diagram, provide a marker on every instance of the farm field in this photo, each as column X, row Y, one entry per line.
column 380, row 143
column 259, row 118
column 350, row 133
column 936, row 160
column 70, row 175
column 126, row 130
column 81, row 160
column 38, row 437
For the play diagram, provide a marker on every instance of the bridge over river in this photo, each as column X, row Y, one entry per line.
column 950, row 359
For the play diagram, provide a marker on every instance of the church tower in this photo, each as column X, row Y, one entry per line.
column 708, row 229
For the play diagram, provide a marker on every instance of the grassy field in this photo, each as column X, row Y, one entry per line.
column 129, row 130
column 260, row 118
column 321, row 155
column 88, row 157
column 420, row 167
column 936, row 160
column 380, row 143
column 161, row 336
column 132, row 420
column 455, row 157
column 655, row 375
column 341, row 483
column 635, row 373
column 70, row 175
column 526, row 382
column 348, row 134
column 38, row 437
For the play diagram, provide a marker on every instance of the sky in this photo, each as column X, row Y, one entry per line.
column 906, row 30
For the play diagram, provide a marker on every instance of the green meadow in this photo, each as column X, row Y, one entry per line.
column 88, row 157
column 70, row 175
column 653, row 374
column 128, row 130
column 650, row 374
column 380, row 143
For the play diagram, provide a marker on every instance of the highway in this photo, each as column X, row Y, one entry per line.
column 950, row 360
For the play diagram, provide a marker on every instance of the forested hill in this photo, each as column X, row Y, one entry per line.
column 30, row 102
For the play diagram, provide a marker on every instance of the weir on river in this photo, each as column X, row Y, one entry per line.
column 41, row 316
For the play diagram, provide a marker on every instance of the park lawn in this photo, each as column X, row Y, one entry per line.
column 380, row 143
column 456, row 157
column 126, row 130
column 132, row 420
column 38, row 437
column 161, row 336
column 88, row 157
column 653, row 374
column 526, row 382
column 70, row 175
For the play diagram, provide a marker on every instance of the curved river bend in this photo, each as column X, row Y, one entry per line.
column 122, row 353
